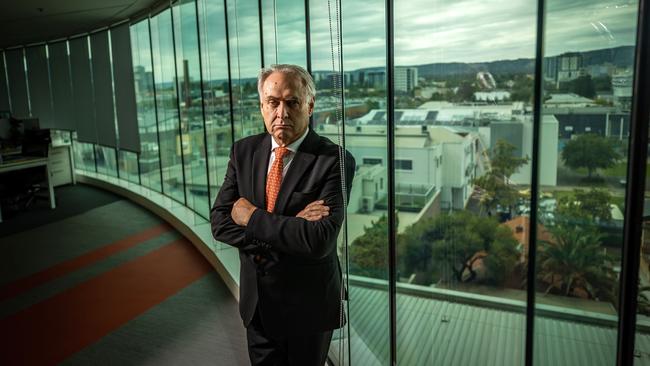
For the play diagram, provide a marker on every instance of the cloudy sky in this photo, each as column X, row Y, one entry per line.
column 426, row 31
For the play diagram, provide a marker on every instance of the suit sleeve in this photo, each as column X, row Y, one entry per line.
column 224, row 229
column 297, row 236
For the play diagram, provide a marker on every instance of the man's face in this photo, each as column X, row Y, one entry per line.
column 285, row 108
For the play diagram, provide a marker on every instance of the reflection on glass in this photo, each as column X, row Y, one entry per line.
column 284, row 32
column 106, row 160
column 463, row 148
column 367, row 332
column 245, row 63
column 164, row 72
column 188, row 72
column 84, row 155
column 582, row 176
column 128, row 165
column 216, row 90
column 146, row 106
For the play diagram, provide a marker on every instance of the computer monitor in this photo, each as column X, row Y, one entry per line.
column 36, row 142
column 30, row 124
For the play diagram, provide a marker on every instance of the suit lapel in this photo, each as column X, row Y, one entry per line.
column 299, row 166
column 260, row 165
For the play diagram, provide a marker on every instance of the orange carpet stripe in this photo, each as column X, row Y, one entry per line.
column 24, row 284
column 50, row 331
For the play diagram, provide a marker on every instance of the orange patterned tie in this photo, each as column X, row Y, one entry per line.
column 274, row 179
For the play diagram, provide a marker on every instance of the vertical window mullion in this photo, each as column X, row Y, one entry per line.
column 634, row 195
column 392, row 230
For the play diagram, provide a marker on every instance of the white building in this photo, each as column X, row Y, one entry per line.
column 622, row 87
column 561, row 100
column 445, row 113
column 428, row 160
column 569, row 67
column 406, row 78
column 492, row 96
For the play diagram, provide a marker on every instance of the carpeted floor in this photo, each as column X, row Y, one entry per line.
column 70, row 201
column 105, row 282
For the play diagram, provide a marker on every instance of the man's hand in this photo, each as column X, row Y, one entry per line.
column 242, row 211
column 314, row 211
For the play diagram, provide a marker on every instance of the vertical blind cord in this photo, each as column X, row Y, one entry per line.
column 338, row 93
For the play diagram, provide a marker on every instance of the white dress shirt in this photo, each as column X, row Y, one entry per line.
column 292, row 147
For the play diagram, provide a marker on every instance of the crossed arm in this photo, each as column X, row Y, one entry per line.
column 311, row 233
column 242, row 211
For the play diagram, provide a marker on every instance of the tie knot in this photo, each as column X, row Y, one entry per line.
column 280, row 152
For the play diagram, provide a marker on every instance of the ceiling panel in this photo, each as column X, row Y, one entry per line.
column 31, row 21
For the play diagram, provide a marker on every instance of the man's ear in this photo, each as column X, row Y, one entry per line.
column 311, row 106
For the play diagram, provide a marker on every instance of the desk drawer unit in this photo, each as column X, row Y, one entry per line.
column 60, row 170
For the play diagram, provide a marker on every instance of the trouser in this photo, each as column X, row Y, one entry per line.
column 299, row 350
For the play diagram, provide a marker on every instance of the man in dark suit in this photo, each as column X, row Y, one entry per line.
column 281, row 204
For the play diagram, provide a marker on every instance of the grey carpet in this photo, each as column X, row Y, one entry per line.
column 199, row 325
column 70, row 201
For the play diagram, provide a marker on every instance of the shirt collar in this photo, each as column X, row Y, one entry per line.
column 293, row 147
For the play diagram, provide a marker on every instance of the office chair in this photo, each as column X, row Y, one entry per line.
column 20, row 192
column 36, row 143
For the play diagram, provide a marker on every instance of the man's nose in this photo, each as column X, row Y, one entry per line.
column 281, row 111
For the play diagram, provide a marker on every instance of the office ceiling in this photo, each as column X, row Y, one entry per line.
column 29, row 21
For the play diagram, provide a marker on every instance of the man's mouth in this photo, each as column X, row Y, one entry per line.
column 283, row 126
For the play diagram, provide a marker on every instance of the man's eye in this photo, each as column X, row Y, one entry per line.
column 293, row 103
column 273, row 103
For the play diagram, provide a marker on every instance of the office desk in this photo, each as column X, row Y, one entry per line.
column 25, row 163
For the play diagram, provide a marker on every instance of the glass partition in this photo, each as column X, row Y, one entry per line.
column 245, row 64
column 216, row 90
column 169, row 136
column 588, row 63
column 283, row 28
column 190, row 102
column 128, row 166
column 106, row 160
column 463, row 148
column 341, row 103
column 145, row 98
column 84, row 155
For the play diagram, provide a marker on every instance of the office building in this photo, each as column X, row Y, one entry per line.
column 478, row 231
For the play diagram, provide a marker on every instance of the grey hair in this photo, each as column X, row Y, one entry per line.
column 288, row 69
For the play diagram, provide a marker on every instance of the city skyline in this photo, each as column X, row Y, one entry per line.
column 448, row 33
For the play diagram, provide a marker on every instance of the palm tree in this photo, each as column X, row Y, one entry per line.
column 574, row 260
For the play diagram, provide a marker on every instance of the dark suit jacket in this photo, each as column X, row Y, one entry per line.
column 298, row 285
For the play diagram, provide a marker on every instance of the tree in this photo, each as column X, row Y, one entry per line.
column 574, row 263
column 522, row 90
column 583, row 86
column 590, row 151
column 372, row 104
column 369, row 252
column 587, row 206
column 494, row 185
column 603, row 83
column 503, row 159
column 452, row 247
column 465, row 92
